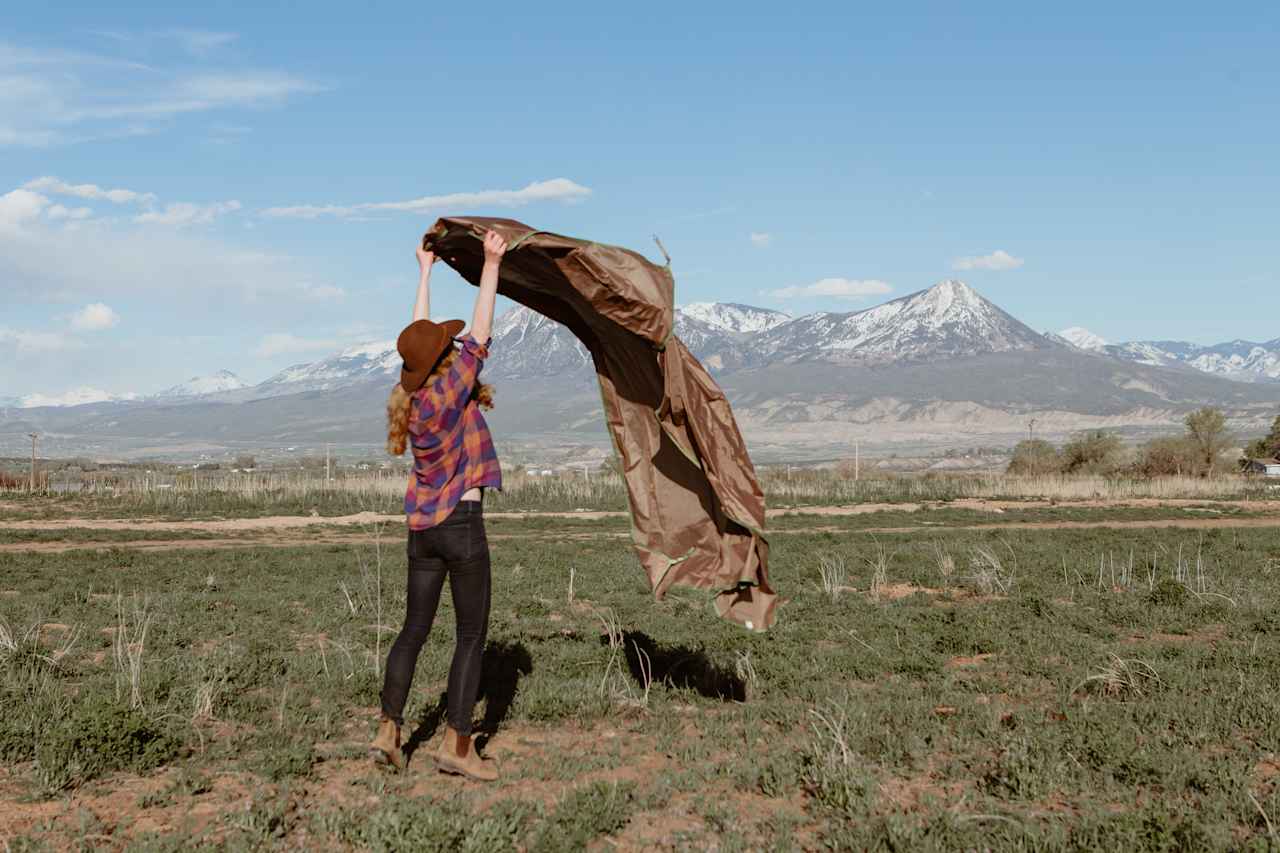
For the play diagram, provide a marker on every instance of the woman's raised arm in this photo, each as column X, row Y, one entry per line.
column 422, row 306
column 482, row 320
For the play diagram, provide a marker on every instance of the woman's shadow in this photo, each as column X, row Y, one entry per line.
column 500, row 672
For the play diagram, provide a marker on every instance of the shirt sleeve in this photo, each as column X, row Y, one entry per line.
column 445, row 397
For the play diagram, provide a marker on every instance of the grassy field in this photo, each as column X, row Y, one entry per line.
column 251, row 495
column 975, row 680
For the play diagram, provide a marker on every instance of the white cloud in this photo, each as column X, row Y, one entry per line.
column 282, row 343
column 997, row 261
column 74, row 397
column 41, row 259
column 760, row 240
column 838, row 288
column 90, row 192
column 187, row 213
column 557, row 189
column 20, row 206
column 57, row 211
column 26, row 342
column 94, row 317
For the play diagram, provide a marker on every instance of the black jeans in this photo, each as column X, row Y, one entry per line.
column 456, row 549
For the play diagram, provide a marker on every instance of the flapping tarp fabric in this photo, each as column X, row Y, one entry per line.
column 696, row 506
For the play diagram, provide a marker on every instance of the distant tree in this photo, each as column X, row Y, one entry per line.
column 1167, row 457
column 1207, row 432
column 246, row 462
column 1267, row 447
column 613, row 464
column 1035, row 456
column 1093, row 451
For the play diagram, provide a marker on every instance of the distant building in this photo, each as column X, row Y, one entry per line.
column 1263, row 467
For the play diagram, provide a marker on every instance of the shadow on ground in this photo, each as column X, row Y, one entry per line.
column 503, row 667
column 680, row 667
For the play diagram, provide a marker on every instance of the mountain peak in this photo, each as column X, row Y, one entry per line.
column 198, row 386
column 733, row 317
column 1082, row 338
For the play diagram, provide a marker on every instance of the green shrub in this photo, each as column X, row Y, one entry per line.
column 1034, row 457
column 1091, row 452
column 586, row 814
column 96, row 737
column 287, row 760
column 1169, row 593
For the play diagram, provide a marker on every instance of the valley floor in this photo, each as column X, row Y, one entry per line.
column 965, row 674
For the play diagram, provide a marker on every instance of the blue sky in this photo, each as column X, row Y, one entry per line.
column 1115, row 170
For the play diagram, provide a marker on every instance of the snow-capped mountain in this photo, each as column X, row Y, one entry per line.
column 375, row 360
column 75, row 397
column 948, row 320
column 1242, row 361
column 527, row 344
column 1082, row 338
column 732, row 317
column 199, row 386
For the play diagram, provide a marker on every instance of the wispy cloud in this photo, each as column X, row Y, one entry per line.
column 835, row 288
column 322, row 292
column 557, row 189
column 287, row 343
column 51, row 97
column 90, row 192
column 30, row 342
column 188, row 213
column 760, row 239
column 94, row 317
column 998, row 260
column 196, row 42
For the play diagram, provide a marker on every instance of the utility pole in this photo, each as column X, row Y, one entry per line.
column 33, row 436
column 1031, row 429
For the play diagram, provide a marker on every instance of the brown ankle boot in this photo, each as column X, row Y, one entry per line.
column 458, row 755
column 385, row 748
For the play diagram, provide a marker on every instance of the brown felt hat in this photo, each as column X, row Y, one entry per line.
column 421, row 345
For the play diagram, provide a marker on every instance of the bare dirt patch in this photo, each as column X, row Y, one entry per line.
column 280, row 522
column 964, row 661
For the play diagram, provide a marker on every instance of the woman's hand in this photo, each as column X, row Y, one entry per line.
column 426, row 258
column 494, row 248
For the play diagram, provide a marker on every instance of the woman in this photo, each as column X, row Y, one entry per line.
column 436, row 407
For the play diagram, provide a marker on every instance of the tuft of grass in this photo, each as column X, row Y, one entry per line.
column 833, row 575
column 586, row 815
column 1122, row 678
column 988, row 572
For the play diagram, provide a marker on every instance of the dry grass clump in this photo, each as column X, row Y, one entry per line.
column 1122, row 678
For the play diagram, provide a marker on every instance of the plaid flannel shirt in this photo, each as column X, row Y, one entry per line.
column 452, row 449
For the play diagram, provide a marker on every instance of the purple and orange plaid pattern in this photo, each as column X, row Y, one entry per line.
column 452, row 448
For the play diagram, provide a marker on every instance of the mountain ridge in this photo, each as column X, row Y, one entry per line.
column 939, row 365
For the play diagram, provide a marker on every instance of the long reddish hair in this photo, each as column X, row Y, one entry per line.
column 400, row 403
